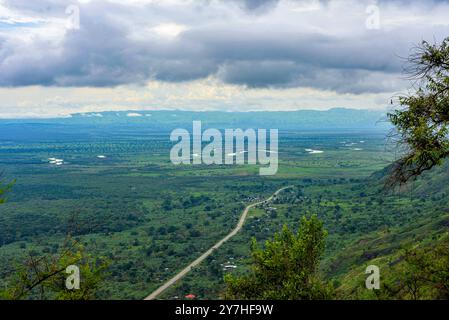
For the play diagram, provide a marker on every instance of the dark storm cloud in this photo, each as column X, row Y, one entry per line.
column 115, row 46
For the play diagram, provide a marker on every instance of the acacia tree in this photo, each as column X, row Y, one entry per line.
column 287, row 268
column 422, row 122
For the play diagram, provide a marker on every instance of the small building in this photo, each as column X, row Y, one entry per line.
column 229, row 266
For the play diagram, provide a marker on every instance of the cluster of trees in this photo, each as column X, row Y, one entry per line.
column 188, row 202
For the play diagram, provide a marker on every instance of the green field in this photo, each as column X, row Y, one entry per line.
column 151, row 218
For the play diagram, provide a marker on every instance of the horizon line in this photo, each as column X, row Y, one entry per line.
column 147, row 111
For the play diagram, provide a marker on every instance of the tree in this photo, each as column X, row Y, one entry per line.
column 422, row 122
column 287, row 268
column 45, row 277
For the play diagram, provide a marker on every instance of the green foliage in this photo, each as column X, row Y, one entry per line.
column 44, row 277
column 422, row 123
column 424, row 274
column 287, row 268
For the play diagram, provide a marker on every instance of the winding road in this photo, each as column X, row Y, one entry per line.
column 200, row 259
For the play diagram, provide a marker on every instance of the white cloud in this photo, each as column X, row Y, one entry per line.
column 133, row 115
column 169, row 30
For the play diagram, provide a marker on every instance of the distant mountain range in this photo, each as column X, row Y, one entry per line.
column 337, row 118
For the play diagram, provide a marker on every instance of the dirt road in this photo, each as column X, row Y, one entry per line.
column 200, row 259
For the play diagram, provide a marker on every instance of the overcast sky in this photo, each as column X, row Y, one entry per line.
column 59, row 57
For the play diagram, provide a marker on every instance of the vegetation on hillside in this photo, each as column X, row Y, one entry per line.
column 423, row 274
column 419, row 271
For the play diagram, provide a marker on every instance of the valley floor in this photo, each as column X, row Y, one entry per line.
column 123, row 199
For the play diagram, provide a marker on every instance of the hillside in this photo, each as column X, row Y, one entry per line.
column 424, row 226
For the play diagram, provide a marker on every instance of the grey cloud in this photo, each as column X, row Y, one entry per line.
column 276, row 74
column 105, row 52
column 259, row 73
